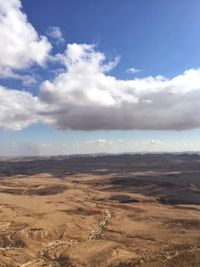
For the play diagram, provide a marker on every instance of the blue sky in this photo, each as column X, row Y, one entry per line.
column 159, row 37
column 72, row 100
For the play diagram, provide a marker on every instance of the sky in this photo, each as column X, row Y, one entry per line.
column 99, row 76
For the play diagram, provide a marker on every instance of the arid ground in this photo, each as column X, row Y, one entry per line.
column 96, row 211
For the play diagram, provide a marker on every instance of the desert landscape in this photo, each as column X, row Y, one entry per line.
column 99, row 133
column 100, row 210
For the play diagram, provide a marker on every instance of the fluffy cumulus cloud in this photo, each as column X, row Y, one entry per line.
column 56, row 33
column 20, row 44
column 19, row 109
column 83, row 95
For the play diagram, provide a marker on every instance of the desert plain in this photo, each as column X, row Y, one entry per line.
column 100, row 211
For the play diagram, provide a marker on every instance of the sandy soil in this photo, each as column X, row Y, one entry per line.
column 147, row 218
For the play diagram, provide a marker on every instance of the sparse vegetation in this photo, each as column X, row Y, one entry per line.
column 119, row 217
column 9, row 240
column 64, row 261
column 123, row 264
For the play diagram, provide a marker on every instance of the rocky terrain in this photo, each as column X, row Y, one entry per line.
column 100, row 211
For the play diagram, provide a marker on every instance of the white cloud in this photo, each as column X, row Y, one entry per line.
column 84, row 97
column 27, row 79
column 133, row 70
column 24, row 78
column 55, row 33
column 20, row 44
column 99, row 142
column 156, row 142
column 94, row 146
column 19, row 109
